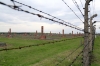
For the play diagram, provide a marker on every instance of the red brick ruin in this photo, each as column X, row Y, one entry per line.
column 25, row 34
column 81, row 34
column 42, row 30
column 42, row 33
column 63, row 33
column 9, row 33
column 50, row 33
column 35, row 33
column 77, row 33
column 59, row 33
column 72, row 33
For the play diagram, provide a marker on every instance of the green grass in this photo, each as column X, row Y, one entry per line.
column 96, row 52
column 16, row 42
column 46, row 55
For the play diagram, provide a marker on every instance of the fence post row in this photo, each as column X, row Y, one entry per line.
column 86, row 61
column 92, row 30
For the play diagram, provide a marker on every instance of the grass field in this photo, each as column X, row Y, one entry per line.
column 96, row 52
column 46, row 55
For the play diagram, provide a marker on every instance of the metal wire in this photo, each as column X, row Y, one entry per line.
column 81, row 3
column 85, row 47
column 44, row 13
column 69, row 55
column 75, row 58
column 72, row 10
column 74, row 1
column 41, row 16
column 52, row 42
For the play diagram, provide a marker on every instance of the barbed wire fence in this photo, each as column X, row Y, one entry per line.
column 86, row 61
column 50, row 42
column 41, row 16
column 45, row 13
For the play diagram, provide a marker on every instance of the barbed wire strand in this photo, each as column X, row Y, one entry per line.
column 93, row 5
column 5, row 49
column 71, row 10
column 69, row 55
column 73, row 52
column 74, row 1
column 89, row 51
column 75, row 58
column 43, row 12
column 19, row 9
column 81, row 3
column 41, row 16
column 89, row 11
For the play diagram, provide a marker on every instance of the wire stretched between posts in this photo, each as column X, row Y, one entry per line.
column 81, row 3
column 74, row 1
column 75, row 58
column 88, row 49
column 69, row 55
column 72, row 53
column 71, row 10
column 41, row 16
column 79, row 54
column 52, row 42
column 44, row 13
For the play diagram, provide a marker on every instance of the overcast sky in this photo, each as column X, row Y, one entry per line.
column 22, row 22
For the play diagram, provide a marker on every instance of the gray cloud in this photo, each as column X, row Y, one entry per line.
column 53, row 7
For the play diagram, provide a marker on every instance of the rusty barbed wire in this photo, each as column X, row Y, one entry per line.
column 75, row 58
column 76, row 4
column 89, row 51
column 79, row 55
column 71, row 9
column 69, row 55
column 44, row 13
column 5, row 49
column 72, row 53
column 41, row 16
